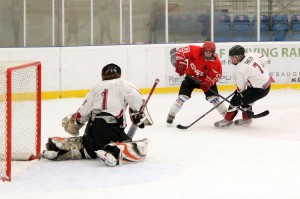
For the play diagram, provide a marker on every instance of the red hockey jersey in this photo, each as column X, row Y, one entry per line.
column 190, row 60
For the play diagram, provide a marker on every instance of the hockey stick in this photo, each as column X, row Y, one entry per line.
column 249, row 113
column 134, row 127
column 186, row 127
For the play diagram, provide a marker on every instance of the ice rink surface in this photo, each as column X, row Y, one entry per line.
column 258, row 161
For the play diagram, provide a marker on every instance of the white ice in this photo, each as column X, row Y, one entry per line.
column 258, row 161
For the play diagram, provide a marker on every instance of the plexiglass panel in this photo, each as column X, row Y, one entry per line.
column 11, row 22
column 111, row 22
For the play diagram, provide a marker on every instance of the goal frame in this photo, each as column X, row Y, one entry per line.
column 9, row 98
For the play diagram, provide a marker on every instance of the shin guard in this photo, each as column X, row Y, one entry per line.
column 176, row 106
column 214, row 100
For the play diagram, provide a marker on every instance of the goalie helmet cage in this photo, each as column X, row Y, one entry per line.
column 20, row 113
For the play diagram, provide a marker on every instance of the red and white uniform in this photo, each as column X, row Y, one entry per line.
column 203, row 70
column 251, row 72
column 110, row 96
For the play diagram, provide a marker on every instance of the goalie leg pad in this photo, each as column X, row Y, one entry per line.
column 66, row 143
column 59, row 148
column 73, row 154
column 50, row 155
column 134, row 151
column 114, row 152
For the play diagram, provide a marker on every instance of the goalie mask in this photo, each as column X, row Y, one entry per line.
column 111, row 71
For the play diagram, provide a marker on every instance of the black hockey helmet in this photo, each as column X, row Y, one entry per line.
column 111, row 71
column 236, row 50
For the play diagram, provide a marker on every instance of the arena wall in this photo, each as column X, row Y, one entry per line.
column 72, row 71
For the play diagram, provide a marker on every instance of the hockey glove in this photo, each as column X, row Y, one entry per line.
column 70, row 124
column 206, row 84
column 140, row 118
column 180, row 67
column 137, row 118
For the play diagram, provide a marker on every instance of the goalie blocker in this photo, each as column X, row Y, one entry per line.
column 141, row 119
column 113, row 154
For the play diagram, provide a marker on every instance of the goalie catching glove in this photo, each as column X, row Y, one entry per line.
column 141, row 119
column 71, row 125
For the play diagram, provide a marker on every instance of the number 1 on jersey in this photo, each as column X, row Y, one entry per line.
column 104, row 97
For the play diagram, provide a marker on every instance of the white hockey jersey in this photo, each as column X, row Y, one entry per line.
column 251, row 72
column 110, row 96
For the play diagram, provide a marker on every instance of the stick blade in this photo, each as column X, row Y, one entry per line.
column 181, row 127
column 262, row 114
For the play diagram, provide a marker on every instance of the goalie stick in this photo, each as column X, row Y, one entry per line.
column 249, row 113
column 134, row 127
column 186, row 127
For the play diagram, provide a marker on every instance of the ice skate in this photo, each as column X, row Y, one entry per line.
column 170, row 120
column 108, row 158
column 223, row 123
column 246, row 119
column 242, row 121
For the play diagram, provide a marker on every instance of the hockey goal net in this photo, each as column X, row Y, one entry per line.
column 20, row 113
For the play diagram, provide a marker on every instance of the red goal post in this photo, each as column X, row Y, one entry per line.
column 20, row 113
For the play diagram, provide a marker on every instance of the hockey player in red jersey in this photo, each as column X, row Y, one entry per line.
column 198, row 63
column 103, row 110
column 253, row 83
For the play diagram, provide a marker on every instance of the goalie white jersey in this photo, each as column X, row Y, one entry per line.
column 251, row 72
column 110, row 96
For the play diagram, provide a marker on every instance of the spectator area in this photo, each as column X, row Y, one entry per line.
column 239, row 28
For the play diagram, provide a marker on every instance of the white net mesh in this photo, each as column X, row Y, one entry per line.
column 24, row 112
